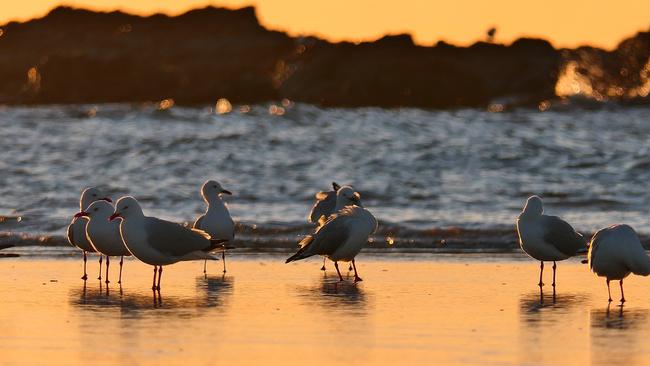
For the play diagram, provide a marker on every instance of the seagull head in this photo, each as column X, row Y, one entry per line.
column 126, row 207
column 212, row 188
column 533, row 206
column 346, row 196
column 90, row 195
column 98, row 210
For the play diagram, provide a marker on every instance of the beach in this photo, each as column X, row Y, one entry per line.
column 411, row 308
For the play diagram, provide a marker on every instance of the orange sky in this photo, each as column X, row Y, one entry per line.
column 564, row 22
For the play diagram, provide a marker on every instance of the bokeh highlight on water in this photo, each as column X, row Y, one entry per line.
column 416, row 168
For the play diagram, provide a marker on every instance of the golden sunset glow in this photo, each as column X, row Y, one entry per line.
column 565, row 23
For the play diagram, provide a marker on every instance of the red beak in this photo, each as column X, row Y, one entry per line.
column 107, row 199
column 80, row 214
column 114, row 216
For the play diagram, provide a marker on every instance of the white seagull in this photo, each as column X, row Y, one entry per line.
column 76, row 232
column 615, row 252
column 104, row 235
column 341, row 237
column 216, row 220
column 328, row 203
column 546, row 238
column 158, row 242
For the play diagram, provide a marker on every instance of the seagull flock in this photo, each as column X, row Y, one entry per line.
column 343, row 227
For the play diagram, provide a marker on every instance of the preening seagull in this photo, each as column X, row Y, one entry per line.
column 76, row 232
column 324, row 205
column 104, row 235
column 216, row 220
column 615, row 252
column 546, row 238
column 327, row 204
column 341, row 237
column 158, row 242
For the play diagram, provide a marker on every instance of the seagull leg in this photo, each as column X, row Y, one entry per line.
column 205, row 267
column 155, row 270
column 356, row 276
column 121, row 263
column 622, row 295
column 336, row 265
column 85, row 276
column 554, row 269
column 223, row 257
column 159, row 275
column 108, row 263
column 541, row 271
column 608, row 291
column 100, row 267
column 323, row 267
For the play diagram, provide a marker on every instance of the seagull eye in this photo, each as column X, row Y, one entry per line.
column 125, row 207
column 214, row 186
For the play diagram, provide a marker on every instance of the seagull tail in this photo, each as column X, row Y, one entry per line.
column 304, row 243
column 216, row 245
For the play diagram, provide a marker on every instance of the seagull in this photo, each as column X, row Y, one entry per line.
column 77, row 228
column 342, row 236
column 615, row 252
column 546, row 238
column 105, row 235
column 216, row 220
column 158, row 242
column 326, row 204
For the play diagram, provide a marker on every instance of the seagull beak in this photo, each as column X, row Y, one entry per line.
column 114, row 216
column 81, row 214
column 226, row 192
column 107, row 199
column 356, row 197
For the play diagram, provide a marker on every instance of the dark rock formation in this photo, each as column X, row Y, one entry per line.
column 80, row 56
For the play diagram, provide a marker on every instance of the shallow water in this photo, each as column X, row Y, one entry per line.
column 410, row 309
column 416, row 168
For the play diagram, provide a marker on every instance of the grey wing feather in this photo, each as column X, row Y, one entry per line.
column 562, row 236
column 325, row 204
column 329, row 237
column 173, row 239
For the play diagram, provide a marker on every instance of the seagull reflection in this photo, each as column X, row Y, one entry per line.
column 532, row 304
column 215, row 288
column 334, row 294
column 618, row 318
column 98, row 298
column 618, row 335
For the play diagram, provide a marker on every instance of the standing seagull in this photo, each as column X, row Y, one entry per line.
column 615, row 252
column 77, row 228
column 341, row 237
column 546, row 238
column 158, row 242
column 324, row 205
column 105, row 235
column 216, row 220
column 327, row 204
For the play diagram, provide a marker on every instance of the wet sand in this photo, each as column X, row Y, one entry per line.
column 410, row 309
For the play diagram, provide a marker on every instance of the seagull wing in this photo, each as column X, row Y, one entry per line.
column 325, row 204
column 173, row 239
column 562, row 236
